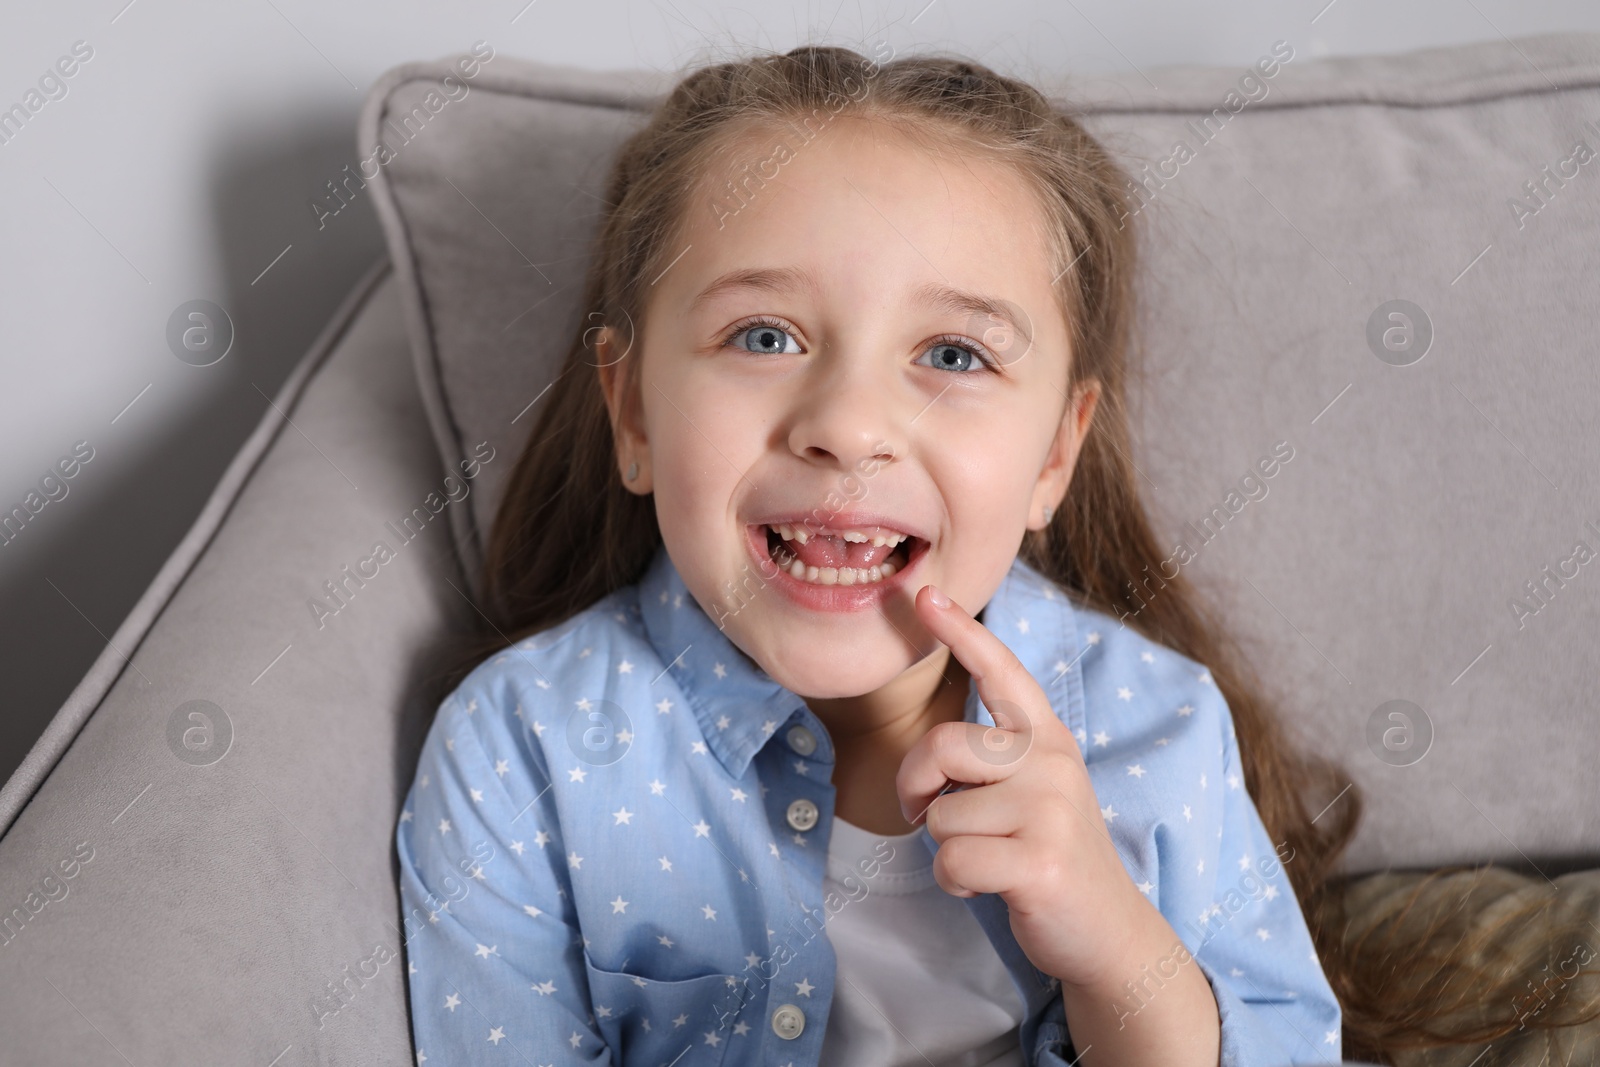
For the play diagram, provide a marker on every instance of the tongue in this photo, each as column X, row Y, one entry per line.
column 828, row 551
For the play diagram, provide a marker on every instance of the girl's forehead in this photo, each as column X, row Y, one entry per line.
column 862, row 203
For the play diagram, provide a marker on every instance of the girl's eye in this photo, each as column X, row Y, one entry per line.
column 765, row 338
column 953, row 355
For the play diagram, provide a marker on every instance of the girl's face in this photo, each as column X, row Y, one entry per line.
column 866, row 341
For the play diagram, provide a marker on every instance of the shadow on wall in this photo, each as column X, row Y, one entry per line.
column 103, row 552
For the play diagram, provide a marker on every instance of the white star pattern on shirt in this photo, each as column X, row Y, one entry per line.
column 635, row 652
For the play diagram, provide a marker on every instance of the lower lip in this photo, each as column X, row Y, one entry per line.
column 817, row 597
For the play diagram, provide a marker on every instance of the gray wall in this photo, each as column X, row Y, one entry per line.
column 177, row 163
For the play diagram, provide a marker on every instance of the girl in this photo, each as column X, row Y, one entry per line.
column 824, row 723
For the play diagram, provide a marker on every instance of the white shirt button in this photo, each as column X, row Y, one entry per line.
column 788, row 1021
column 802, row 740
column 802, row 814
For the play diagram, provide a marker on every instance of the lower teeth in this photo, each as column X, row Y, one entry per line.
column 841, row 575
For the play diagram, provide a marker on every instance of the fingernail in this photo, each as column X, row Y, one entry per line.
column 938, row 599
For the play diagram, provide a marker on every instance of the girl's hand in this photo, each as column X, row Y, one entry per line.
column 1029, row 826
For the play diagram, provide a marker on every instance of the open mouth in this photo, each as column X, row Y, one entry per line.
column 855, row 556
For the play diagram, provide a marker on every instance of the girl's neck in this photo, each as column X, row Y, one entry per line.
column 872, row 733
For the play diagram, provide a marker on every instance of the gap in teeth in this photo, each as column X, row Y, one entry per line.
column 785, row 557
column 800, row 535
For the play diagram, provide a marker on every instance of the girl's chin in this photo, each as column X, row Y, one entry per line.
column 836, row 669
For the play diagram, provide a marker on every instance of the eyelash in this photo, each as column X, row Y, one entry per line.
column 953, row 340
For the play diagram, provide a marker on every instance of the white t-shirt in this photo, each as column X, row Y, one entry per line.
column 918, row 981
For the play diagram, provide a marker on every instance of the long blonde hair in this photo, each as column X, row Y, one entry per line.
column 568, row 533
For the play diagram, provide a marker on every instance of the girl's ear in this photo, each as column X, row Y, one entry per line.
column 1056, row 476
column 627, row 431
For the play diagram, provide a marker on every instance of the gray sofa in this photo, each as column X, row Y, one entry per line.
column 197, row 860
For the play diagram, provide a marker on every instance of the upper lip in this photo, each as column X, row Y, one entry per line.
column 816, row 521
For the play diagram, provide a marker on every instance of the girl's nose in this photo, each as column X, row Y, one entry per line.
column 847, row 420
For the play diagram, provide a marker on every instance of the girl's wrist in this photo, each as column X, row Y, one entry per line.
column 1151, row 1003
column 1147, row 939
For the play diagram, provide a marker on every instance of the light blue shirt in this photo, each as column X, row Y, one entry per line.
column 614, row 848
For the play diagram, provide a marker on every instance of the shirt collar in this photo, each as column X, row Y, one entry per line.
column 1034, row 617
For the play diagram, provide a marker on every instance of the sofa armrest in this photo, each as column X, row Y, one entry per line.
column 198, row 860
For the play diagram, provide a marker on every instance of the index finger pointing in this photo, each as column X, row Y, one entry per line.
column 1011, row 694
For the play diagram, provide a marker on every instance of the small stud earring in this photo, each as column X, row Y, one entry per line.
column 1048, row 511
column 633, row 471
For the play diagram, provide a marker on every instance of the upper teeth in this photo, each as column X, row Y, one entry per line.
column 801, row 535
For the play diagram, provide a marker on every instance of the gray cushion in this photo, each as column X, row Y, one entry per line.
column 1381, row 562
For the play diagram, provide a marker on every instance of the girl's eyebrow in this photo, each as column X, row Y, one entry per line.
column 788, row 279
column 761, row 279
column 948, row 298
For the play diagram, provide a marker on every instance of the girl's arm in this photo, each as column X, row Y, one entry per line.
column 495, row 961
column 1247, row 941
